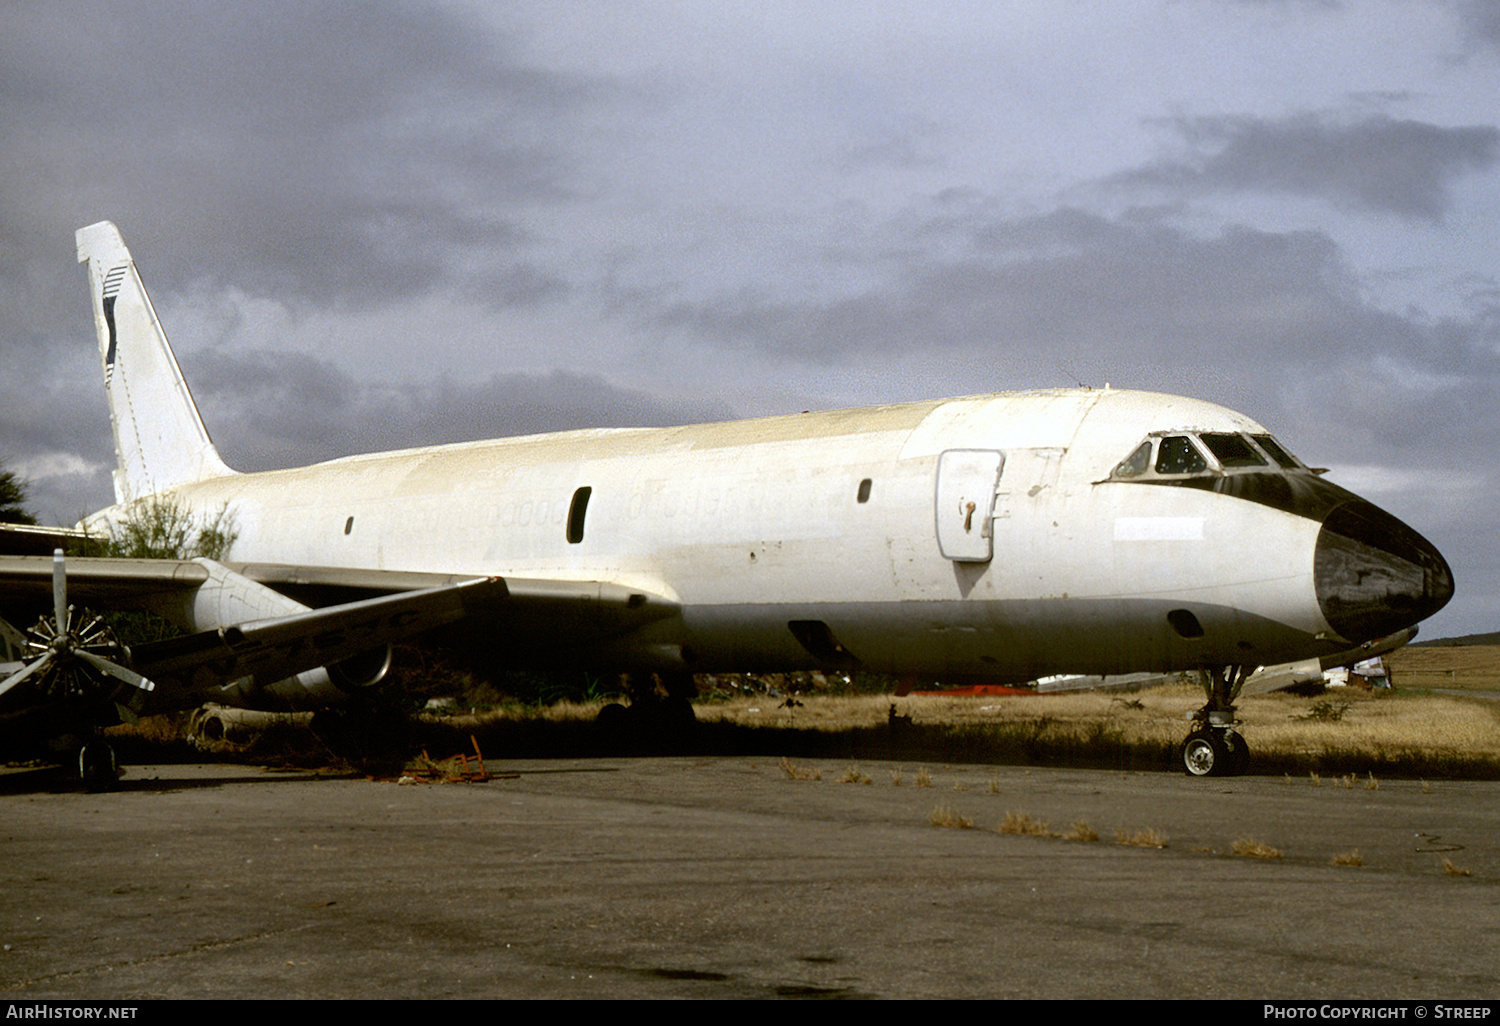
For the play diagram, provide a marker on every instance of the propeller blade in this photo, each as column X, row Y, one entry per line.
column 59, row 591
column 115, row 670
column 24, row 672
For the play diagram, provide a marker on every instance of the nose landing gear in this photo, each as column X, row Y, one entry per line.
column 1215, row 748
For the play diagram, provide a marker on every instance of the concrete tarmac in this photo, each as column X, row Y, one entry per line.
column 724, row 877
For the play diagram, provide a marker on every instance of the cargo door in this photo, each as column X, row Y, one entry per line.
column 967, row 480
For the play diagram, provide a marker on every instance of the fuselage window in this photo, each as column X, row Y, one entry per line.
column 864, row 491
column 1178, row 455
column 1232, row 451
column 576, row 514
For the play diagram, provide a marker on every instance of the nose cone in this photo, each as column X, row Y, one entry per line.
column 1374, row 575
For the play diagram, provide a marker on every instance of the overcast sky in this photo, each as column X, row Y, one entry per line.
column 378, row 224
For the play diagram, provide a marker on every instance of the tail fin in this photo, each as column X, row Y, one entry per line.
column 160, row 441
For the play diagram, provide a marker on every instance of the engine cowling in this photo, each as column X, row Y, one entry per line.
column 365, row 670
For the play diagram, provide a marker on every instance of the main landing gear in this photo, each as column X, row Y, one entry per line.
column 1215, row 748
column 652, row 720
column 97, row 768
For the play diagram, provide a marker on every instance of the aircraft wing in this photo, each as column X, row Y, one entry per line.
column 261, row 620
column 29, row 539
column 163, row 585
column 100, row 583
column 278, row 647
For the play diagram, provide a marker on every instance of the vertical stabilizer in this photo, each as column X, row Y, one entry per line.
column 160, row 441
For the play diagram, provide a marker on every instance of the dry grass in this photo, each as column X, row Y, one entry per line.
column 852, row 775
column 943, row 816
column 1021, row 823
column 794, row 772
column 1081, row 831
column 1147, row 838
column 1403, row 735
column 1348, row 858
column 923, row 779
column 1249, row 848
column 1461, row 667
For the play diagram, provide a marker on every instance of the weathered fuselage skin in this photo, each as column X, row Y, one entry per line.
column 757, row 527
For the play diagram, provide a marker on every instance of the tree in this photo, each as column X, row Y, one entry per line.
column 163, row 528
column 13, row 498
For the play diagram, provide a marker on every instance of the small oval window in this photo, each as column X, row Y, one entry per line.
column 576, row 514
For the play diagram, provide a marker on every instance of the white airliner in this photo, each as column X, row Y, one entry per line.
column 1002, row 537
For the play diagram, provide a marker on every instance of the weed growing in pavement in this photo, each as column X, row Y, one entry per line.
column 1081, row 831
column 1022, row 823
column 1249, row 848
column 794, row 772
column 1147, row 838
column 943, row 816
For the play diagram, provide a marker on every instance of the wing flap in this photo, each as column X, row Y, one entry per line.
column 280, row 647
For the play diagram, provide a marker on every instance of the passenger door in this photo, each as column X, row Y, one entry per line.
column 967, row 480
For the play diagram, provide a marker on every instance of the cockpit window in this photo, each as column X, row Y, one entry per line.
column 1178, row 455
column 1136, row 464
column 1276, row 452
column 1204, row 454
column 1232, row 450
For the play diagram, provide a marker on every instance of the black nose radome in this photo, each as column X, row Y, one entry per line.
column 1374, row 575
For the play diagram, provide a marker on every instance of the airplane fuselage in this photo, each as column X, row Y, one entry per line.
column 990, row 536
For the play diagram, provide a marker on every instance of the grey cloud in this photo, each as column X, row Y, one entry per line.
column 1481, row 19
column 301, row 150
column 55, row 406
column 1068, row 281
column 271, row 410
column 1242, row 316
column 1378, row 163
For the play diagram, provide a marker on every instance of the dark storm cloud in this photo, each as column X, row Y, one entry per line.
column 1378, row 163
column 301, row 150
column 53, row 410
column 1066, row 281
column 271, row 410
column 1275, row 323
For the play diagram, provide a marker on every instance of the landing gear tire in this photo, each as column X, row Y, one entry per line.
column 96, row 767
column 1215, row 748
column 613, row 717
column 1204, row 754
column 1239, row 754
column 1215, row 753
column 648, row 724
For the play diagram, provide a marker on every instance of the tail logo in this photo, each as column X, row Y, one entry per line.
column 112, row 283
